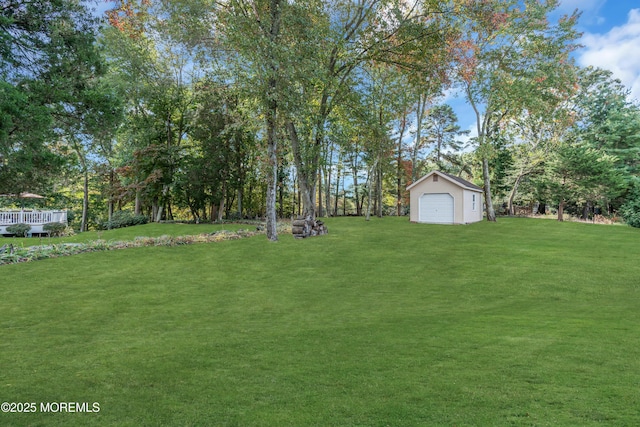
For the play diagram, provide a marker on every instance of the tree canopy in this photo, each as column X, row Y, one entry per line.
column 212, row 110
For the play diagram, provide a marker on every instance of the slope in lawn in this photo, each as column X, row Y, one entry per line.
column 385, row 322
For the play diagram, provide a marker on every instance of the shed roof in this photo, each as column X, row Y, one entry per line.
column 454, row 179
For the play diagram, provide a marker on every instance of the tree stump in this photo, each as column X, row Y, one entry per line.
column 307, row 227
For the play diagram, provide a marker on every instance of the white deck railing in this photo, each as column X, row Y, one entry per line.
column 36, row 219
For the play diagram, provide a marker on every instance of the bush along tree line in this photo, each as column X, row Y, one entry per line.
column 122, row 219
column 212, row 110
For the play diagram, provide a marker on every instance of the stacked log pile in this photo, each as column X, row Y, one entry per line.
column 307, row 227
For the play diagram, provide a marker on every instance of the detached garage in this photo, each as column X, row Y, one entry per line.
column 441, row 198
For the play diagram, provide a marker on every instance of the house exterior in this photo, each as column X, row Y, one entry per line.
column 441, row 198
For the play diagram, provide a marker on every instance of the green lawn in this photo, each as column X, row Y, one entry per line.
column 130, row 233
column 386, row 323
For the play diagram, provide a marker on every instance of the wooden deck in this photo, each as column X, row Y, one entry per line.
column 35, row 218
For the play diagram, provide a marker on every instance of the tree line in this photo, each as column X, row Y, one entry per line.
column 228, row 109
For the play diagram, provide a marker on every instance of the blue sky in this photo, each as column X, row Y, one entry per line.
column 610, row 38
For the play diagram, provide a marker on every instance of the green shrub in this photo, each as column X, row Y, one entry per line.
column 20, row 230
column 55, row 228
column 122, row 219
column 630, row 211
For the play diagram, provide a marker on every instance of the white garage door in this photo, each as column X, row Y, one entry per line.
column 436, row 208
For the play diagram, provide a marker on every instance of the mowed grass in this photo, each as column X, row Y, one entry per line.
column 130, row 233
column 381, row 323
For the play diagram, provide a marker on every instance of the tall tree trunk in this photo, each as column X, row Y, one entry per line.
column 111, row 185
column 368, row 212
column 320, row 210
column 240, row 195
column 294, row 198
column 228, row 202
column 586, row 210
column 356, row 189
column 281, row 195
column 306, row 177
column 213, row 212
column 344, row 199
column 85, row 202
column 337, row 197
column 561, row 210
column 328, row 163
column 399, row 166
column 160, row 212
column 299, row 199
column 379, row 190
column 422, row 105
column 514, row 191
column 482, row 125
column 221, row 206
column 271, row 118
column 194, row 214
column 491, row 213
column 373, row 190
column 138, row 203
column 542, row 209
column 85, row 187
column 369, row 187
column 272, row 183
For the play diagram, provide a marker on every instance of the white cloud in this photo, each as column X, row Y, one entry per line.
column 616, row 51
